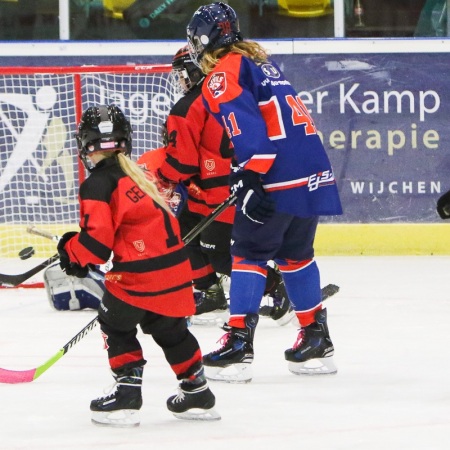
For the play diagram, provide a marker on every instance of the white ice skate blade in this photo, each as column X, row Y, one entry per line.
column 212, row 318
column 234, row 373
column 317, row 366
column 123, row 418
column 198, row 414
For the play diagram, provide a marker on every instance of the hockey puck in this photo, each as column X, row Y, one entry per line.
column 26, row 253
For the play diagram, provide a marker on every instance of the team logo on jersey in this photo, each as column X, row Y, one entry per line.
column 270, row 71
column 210, row 165
column 217, row 84
column 175, row 202
column 139, row 245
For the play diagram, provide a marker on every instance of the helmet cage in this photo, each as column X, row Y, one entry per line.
column 185, row 74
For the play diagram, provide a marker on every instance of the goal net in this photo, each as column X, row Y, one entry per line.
column 40, row 108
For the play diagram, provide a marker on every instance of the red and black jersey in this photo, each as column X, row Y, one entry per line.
column 198, row 150
column 151, row 269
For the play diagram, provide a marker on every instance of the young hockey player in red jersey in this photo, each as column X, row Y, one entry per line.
column 198, row 153
column 284, row 182
column 150, row 282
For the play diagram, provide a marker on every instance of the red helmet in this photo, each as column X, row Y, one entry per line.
column 185, row 72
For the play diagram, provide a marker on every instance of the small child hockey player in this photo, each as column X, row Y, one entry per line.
column 150, row 282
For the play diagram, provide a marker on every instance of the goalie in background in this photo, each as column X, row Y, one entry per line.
column 283, row 180
column 150, row 281
column 198, row 155
column 69, row 293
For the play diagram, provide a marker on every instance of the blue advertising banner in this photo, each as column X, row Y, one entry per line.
column 382, row 118
column 384, row 123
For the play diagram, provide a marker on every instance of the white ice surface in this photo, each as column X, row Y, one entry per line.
column 390, row 324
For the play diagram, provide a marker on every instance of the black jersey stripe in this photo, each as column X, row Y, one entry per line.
column 95, row 247
column 151, row 264
column 160, row 292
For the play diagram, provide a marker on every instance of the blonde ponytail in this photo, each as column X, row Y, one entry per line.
column 144, row 183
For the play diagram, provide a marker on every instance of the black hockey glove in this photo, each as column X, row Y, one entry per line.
column 443, row 206
column 252, row 199
column 66, row 265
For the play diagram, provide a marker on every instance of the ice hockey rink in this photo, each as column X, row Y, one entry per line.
column 390, row 324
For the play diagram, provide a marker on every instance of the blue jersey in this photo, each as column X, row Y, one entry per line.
column 272, row 133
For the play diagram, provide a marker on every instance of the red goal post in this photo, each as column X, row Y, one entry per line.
column 40, row 108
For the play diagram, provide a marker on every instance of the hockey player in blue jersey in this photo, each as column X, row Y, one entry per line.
column 283, row 180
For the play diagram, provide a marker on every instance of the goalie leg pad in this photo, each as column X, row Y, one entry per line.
column 66, row 292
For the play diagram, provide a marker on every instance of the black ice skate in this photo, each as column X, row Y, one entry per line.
column 281, row 310
column 312, row 352
column 121, row 408
column 232, row 362
column 211, row 306
column 193, row 402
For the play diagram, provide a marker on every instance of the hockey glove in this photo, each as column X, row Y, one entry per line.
column 252, row 199
column 66, row 265
column 443, row 206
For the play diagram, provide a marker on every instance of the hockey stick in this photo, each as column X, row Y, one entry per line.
column 33, row 230
column 15, row 280
column 208, row 219
column 188, row 238
column 327, row 291
column 26, row 376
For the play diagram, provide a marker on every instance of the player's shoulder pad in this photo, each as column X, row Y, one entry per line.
column 100, row 185
column 153, row 159
column 222, row 84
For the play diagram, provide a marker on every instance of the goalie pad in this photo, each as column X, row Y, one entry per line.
column 65, row 292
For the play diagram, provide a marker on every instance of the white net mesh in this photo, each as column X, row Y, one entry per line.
column 39, row 112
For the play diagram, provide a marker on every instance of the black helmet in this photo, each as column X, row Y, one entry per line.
column 211, row 27
column 103, row 128
column 186, row 74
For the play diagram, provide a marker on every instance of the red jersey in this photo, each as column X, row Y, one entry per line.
column 200, row 150
column 151, row 269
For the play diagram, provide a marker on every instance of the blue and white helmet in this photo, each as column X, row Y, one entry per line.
column 211, row 27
